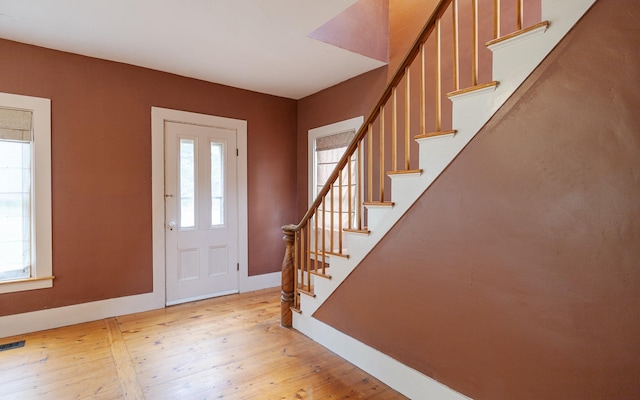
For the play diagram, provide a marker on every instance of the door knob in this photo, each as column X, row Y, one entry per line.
column 172, row 225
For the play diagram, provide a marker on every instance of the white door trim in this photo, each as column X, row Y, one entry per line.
column 158, row 118
column 61, row 316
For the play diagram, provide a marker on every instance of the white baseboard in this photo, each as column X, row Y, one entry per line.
column 400, row 377
column 263, row 281
column 18, row 324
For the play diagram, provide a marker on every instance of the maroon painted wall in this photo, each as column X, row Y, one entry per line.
column 406, row 20
column 408, row 17
column 349, row 99
column 517, row 274
column 101, row 156
column 362, row 28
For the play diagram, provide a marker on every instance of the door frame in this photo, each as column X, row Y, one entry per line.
column 158, row 118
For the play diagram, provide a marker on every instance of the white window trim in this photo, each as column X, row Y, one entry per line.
column 352, row 124
column 348, row 125
column 41, row 272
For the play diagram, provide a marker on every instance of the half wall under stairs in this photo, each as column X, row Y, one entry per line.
column 514, row 58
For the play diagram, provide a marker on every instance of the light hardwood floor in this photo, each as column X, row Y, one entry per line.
column 230, row 347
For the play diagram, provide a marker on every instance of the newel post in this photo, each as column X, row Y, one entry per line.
column 288, row 269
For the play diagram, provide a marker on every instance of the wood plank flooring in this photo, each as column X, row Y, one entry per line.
column 231, row 347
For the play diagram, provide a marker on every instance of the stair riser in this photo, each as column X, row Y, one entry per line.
column 404, row 188
column 375, row 215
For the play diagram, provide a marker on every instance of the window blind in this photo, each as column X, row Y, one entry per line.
column 15, row 125
column 334, row 141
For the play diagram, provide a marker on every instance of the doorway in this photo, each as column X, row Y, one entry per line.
column 200, row 205
column 201, row 209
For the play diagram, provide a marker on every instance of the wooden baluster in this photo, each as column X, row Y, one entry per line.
column 438, row 77
column 474, row 49
column 349, row 194
column 324, row 236
column 423, row 118
column 359, row 186
column 331, row 216
column 456, row 46
column 519, row 14
column 304, row 256
column 370, row 162
column 340, row 212
column 316, row 240
column 381, row 191
column 407, row 120
column 296, row 262
column 308, row 261
column 496, row 19
column 288, row 275
column 394, row 131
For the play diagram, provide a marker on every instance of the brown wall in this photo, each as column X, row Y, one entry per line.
column 517, row 274
column 408, row 17
column 362, row 28
column 349, row 99
column 357, row 96
column 101, row 156
column 406, row 20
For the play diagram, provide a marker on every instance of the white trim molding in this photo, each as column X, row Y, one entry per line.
column 352, row 124
column 158, row 118
column 400, row 377
column 41, row 244
column 18, row 324
column 62, row 316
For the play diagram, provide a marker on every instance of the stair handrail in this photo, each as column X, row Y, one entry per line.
column 440, row 9
column 289, row 269
column 307, row 253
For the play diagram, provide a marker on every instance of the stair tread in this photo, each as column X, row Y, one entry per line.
column 363, row 231
column 405, row 172
column 472, row 89
column 379, row 203
column 320, row 274
column 308, row 293
column 436, row 134
column 329, row 253
column 517, row 33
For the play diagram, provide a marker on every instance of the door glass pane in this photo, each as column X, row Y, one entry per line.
column 187, row 183
column 217, row 184
column 15, row 210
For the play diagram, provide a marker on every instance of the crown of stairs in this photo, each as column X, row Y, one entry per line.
column 514, row 57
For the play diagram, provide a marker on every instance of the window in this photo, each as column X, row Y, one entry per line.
column 326, row 146
column 25, row 193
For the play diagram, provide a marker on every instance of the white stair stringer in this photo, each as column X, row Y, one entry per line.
column 405, row 380
column 513, row 61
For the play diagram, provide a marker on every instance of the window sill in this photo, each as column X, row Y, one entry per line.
column 20, row 285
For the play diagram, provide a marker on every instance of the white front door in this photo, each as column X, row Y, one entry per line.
column 201, row 207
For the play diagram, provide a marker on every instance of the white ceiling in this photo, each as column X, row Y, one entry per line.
column 259, row 45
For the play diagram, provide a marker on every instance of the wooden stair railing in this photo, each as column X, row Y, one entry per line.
column 383, row 145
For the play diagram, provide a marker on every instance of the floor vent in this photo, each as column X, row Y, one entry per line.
column 9, row 346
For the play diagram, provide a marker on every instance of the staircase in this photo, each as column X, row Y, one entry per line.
column 389, row 165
